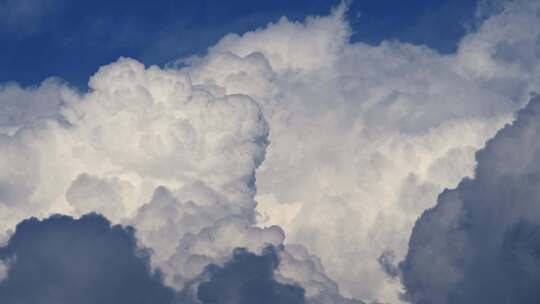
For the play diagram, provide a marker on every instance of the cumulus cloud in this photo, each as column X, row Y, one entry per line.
column 86, row 260
column 363, row 138
column 136, row 130
column 143, row 146
column 214, row 244
column 298, row 265
column 24, row 106
column 484, row 235
column 289, row 130
column 247, row 278
column 65, row 260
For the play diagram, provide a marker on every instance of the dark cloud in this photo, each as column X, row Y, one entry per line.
column 248, row 278
column 481, row 242
column 62, row 260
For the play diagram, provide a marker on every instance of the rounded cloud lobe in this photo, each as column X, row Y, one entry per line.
column 289, row 136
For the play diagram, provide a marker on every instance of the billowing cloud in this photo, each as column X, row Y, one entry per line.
column 214, row 244
column 247, row 278
column 289, row 136
column 65, row 260
column 190, row 214
column 86, row 260
column 135, row 131
column 484, row 235
column 363, row 138
column 21, row 107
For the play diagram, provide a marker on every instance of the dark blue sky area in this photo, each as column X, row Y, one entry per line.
column 71, row 39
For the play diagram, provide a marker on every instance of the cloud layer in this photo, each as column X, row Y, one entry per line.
column 87, row 260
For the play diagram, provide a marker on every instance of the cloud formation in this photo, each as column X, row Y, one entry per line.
column 363, row 138
column 65, row 260
column 289, row 136
column 484, row 235
column 136, row 130
column 146, row 147
column 21, row 107
column 247, row 278
column 86, row 260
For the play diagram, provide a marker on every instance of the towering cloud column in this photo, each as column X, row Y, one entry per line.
column 363, row 138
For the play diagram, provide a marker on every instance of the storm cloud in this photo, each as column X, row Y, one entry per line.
column 247, row 278
column 87, row 260
column 481, row 242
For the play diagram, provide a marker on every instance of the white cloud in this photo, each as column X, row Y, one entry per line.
column 135, row 131
column 22, row 106
column 361, row 140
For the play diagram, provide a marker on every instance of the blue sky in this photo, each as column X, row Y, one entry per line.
column 72, row 39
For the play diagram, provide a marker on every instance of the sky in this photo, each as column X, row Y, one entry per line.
column 71, row 40
column 354, row 152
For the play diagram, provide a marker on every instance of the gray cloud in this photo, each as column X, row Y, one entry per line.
column 65, row 260
column 248, row 278
column 481, row 242
column 363, row 138
column 24, row 106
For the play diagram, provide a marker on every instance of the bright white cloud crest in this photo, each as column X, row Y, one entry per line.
column 290, row 130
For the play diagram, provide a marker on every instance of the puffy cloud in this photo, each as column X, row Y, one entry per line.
column 299, row 266
column 484, row 235
column 65, row 260
column 214, row 244
column 363, row 138
column 285, row 43
column 143, row 146
column 88, row 193
column 86, row 260
column 247, row 278
column 21, row 107
column 357, row 141
column 136, row 129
